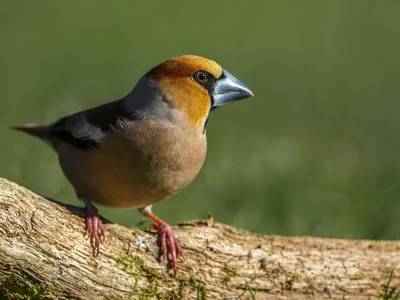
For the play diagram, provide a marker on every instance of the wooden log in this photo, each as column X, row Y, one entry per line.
column 44, row 255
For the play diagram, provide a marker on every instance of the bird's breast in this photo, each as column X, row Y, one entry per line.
column 137, row 165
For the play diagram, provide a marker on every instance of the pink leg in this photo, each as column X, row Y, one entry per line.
column 168, row 242
column 94, row 226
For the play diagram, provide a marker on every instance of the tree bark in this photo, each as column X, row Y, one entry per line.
column 44, row 255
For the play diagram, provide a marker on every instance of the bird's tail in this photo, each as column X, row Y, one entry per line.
column 39, row 131
column 32, row 129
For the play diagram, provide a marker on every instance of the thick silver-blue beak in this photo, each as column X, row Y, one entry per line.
column 228, row 88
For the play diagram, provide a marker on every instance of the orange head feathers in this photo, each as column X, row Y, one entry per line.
column 191, row 83
column 185, row 66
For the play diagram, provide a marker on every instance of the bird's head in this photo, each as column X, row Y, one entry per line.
column 195, row 85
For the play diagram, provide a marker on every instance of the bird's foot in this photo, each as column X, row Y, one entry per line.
column 94, row 227
column 168, row 243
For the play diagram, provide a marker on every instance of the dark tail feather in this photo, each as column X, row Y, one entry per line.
column 40, row 131
column 33, row 129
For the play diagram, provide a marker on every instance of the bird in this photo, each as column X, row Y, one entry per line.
column 145, row 147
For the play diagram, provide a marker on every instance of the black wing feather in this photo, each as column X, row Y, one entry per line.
column 86, row 129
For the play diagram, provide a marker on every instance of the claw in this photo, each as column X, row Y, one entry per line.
column 95, row 229
column 168, row 243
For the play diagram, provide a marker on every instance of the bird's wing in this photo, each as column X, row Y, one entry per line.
column 86, row 129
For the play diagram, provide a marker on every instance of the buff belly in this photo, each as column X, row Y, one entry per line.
column 135, row 171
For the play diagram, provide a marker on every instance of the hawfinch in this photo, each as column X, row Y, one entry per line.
column 145, row 147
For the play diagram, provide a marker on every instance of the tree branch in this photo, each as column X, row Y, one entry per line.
column 44, row 254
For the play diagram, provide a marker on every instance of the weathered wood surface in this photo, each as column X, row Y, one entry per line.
column 43, row 253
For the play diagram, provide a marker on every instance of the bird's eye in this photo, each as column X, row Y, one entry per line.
column 201, row 77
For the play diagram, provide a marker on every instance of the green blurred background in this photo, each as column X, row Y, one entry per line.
column 314, row 153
